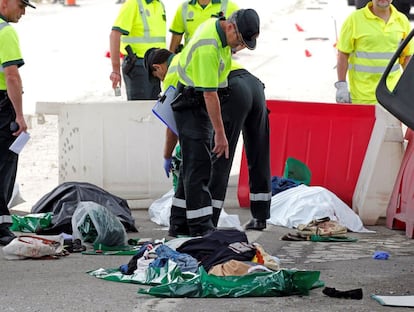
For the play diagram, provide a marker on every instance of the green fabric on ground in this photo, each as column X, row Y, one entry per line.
column 263, row 284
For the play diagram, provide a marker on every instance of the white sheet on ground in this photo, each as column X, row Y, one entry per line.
column 302, row 204
column 160, row 211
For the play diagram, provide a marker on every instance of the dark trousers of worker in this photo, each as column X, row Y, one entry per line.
column 244, row 109
column 8, row 159
column 191, row 211
column 138, row 86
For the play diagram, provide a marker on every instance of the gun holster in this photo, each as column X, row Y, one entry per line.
column 4, row 101
column 130, row 60
column 187, row 98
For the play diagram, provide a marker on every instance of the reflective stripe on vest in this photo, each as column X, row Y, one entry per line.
column 4, row 24
column 184, row 12
column 384, row 56
column 146, row 38
column 181, row 70
column 172, row 69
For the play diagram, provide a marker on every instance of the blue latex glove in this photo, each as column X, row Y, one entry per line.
column 167, row 166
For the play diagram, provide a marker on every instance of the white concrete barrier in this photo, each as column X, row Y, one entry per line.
column 379, row 169
column 117, row 146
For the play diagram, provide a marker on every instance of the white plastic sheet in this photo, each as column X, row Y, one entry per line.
column 160, row 211
column 302, row 204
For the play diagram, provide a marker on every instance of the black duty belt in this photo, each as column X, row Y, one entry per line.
column 237, row 72
column 4, row 99
column 191, row 91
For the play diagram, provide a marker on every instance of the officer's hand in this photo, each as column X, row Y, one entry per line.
column 221, row 146
column 116, row 79
column 22, row 126
column 167, row 166
column 342, row 92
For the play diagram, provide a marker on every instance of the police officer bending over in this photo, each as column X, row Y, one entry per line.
column 243, row 108
column 203, row 67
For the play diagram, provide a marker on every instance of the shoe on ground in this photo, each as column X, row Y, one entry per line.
column 256, row 224
column 6, row 236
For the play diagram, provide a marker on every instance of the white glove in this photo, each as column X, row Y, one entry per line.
column 342, row 92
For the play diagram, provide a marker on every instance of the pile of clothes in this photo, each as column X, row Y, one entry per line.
column 221, row 263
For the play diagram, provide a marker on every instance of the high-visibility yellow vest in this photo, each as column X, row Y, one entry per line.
column 370, row 43
column 205, row 62
column 171, row 77
column 190, row 14
column 142, row 24
column 10, row 53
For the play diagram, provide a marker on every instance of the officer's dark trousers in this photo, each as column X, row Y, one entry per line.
column 244, row 109
column 138, row 85
column 8, row 161
column 191, row 211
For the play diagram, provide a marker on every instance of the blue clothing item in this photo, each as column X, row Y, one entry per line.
column 123, row 268
column 381, row 255
column 280, row 184
column 185, row 262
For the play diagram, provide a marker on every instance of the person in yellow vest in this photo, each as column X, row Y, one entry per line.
column 368, row 39
column 203, row 67
column 190, row 14
column 243, row 108
column 140, row 25
column 12, row 121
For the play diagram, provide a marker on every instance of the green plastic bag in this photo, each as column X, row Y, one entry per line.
column 32, row 223
column 259, row 284
column 151, row 276
column 297, row 170
column 94, row 223
column 176, row 166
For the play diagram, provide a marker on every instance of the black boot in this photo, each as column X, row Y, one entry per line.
column 6, row 236
column 256, row 224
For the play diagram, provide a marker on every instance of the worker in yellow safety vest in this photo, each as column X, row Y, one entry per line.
column 368, row 39
column 190, row 14
column 202, row 68
column 12, row 122
column 140, row 25
column 243, row 108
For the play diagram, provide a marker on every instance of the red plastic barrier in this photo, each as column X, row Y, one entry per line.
column 400, row 210
column 331, row 139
